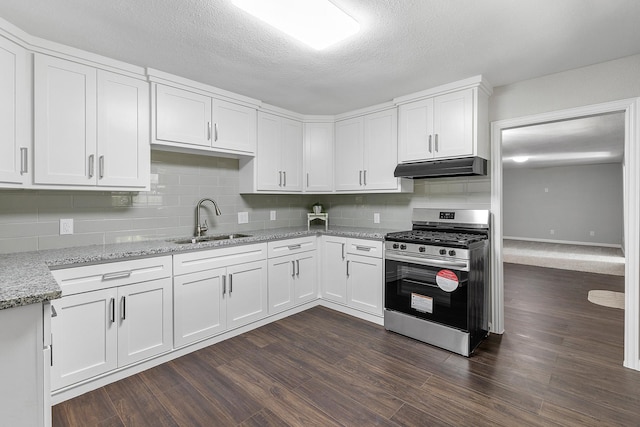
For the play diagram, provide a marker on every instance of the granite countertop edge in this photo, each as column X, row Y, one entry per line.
column 25, row 277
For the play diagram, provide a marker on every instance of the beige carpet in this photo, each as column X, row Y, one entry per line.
column 592, row 259
column 607, row 298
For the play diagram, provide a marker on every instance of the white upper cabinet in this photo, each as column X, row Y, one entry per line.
column 14, row 142
column 90, row 127
column 277, row 166
column 366, row 153
column 448, row 125
column 318, row 157
column 197, row 121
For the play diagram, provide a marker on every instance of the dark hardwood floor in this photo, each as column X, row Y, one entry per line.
column 558, row 363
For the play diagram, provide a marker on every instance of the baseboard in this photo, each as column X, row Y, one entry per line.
column 564, row 242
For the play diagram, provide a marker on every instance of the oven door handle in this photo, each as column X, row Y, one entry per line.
column 426, row 261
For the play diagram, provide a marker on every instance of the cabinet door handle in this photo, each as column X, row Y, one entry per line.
column 91, row 165
column 343, row 251
column 348, row 268
column 298, row 267
column 224, row 284
column 293, row 268
column 436, row 137
column 279, row 178
column 284, row 173
column 54, row 313
column 307, row 179
column 124, row 308
column 430, row 147
column 101, row 167
column 208, row 131
column 365, row 177
column 24, row 162
column 112, row 310
column 215, row 128
column 363, row 248
column 230, row 283
column 116, row 275
column 360, row 178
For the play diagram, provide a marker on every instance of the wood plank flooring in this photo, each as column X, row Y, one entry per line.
column 558, row 363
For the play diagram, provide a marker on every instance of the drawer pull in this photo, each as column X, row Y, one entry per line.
column 116, row 275
column 363, row 248
column 294, row 247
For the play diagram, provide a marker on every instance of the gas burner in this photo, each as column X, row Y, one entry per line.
column 427, row 237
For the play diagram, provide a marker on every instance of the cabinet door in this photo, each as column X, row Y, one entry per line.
column 291, row 154
column 123, row 131
column 364, row 283
column 334, row 278
column 234, row 127
column 305, row 284
column 199, row 309
column 318, row 157
column 183, row 116
column 84, row 337
column 246, row 293
column 64, row 122
column 13, row 113
column 453, row 124
column 145, row 320
column 415, row 131
column 349, row 154
column 268, row 169
column 282, row 274
column 380, row 150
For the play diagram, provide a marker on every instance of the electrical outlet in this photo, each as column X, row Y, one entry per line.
column 592, row 233
column 66, row 226
column 552, row 231
column 243, row 217
column 376, row 218
column 272, row 215
column 546, row 190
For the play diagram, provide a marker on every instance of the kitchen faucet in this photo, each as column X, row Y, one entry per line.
column 202, row 228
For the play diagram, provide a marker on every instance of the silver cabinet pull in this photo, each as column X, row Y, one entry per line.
column 298, row 267
column 116, row 275
column 230, row 283
column 293, row 268
column 279, row 178
column 224, row 284
column 208, row 131
column 91, row 165
column 112, row 310
column 284, row 173
column 348, row 267
column 430, row 148
column 436, row 137
column 24, row 161
column 54, row 313
column 215, row 128
column 307, row 179
column 343, row 251
column 365, row 177
column 360, row 178
column 363, row 248
column 294, row 247
column 101, row 167
column 124, row 308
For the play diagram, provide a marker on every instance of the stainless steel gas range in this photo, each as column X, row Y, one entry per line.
column 437, row 279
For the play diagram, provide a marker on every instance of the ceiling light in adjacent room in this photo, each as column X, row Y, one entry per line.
column 318, row 23
column 520, row 159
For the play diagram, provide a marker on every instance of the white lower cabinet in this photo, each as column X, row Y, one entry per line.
column 217, row 290
column 352, row 273
column 292, row 277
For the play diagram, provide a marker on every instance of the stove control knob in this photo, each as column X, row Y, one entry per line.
column 403, row 247
column 396, row 246
column 452, row 252
column 421, row 249
column 443, row 251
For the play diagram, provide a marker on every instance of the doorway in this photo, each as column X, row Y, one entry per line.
column 631, row 213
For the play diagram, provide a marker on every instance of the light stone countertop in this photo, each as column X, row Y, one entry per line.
column 25, row 278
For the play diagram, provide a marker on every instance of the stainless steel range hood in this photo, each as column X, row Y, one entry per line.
column 467, row 166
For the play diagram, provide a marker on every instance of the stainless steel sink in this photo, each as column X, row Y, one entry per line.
column 201, row 239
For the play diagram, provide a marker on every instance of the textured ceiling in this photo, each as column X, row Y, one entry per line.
column 403, row 46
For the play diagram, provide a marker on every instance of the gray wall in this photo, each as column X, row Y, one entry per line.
column 571, row 200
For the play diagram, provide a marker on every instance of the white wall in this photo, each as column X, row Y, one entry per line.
column 570, row 200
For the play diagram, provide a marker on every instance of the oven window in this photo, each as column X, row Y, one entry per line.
column 413, row 289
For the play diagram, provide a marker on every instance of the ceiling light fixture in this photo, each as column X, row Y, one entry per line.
column 520, row 159
column 318, row 23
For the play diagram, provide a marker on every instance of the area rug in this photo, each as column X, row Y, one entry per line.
column 607, row 298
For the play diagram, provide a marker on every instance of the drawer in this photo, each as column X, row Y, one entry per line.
column 292, row 246
column 372, row 248
column 192, row 262
column 75, row 280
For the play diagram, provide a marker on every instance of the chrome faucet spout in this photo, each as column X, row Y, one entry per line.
column 202, row 228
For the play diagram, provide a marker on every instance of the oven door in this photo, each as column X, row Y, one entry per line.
column 437, row 294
